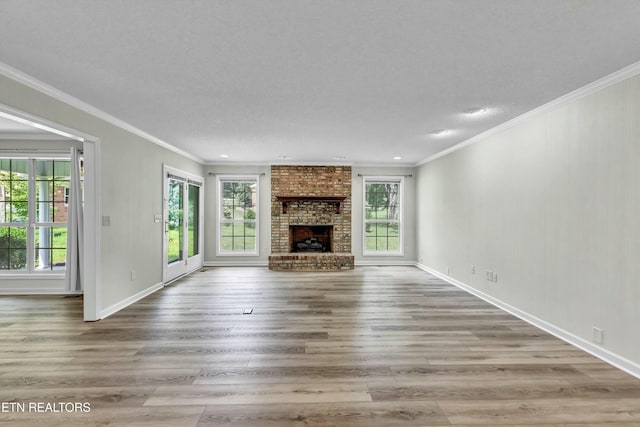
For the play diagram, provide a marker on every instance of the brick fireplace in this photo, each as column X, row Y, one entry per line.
column 311, row 218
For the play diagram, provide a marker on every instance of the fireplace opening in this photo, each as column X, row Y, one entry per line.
column 311, row 238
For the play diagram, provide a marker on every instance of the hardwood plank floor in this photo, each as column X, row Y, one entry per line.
column 376, row 346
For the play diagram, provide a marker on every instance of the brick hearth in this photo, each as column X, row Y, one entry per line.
column 313, row 195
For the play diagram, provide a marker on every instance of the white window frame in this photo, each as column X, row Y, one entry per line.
column 31, row 271
column 382, row 180
column 220, row 179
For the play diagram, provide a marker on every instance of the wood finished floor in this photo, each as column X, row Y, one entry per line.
column 377, row 346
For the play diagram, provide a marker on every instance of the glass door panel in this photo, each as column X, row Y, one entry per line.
column 175, row 236
column 193, row 224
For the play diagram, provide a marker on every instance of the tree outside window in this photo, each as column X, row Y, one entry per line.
column 382, row 216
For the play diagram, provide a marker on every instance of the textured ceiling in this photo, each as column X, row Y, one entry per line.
column 359, row 81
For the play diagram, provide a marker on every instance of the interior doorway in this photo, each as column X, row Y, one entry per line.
column 17, row 130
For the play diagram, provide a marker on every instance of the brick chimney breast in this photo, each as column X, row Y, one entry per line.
column 324, row 194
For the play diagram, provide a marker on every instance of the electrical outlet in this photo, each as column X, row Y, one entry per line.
column 448, row 271
column 495, row 276
column 598, row 335
column 473, row 269
column 133, row 275
column 490, row 275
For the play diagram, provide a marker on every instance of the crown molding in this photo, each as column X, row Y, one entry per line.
column 236, row 164
column 291, row 163
column 286, row 163
column 385, row 165
column 33, row 83
column 589, row 89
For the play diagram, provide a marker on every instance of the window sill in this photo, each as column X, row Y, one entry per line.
column 387, row 254
column 224, row 254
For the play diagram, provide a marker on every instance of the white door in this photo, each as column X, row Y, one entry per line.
column 182, row 223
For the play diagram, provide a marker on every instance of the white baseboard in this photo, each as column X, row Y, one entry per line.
column 605, row 355
column 128, row 301
column 236, row 264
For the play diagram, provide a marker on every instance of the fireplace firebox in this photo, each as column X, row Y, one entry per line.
column 311, row 238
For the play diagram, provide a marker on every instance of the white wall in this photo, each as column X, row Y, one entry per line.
column 130, row 193
column 551, row 205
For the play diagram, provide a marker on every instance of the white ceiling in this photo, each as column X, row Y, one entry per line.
column 356, row 80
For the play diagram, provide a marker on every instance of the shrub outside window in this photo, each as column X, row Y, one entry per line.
column 33, row 214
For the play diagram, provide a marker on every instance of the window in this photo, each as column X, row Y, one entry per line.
column 33, row 214
column 238, row 215
column 382, row 216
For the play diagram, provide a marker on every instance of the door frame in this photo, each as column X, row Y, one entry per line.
column 92, row 300
column 187, row 264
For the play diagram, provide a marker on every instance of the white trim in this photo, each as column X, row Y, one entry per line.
column 33, row 269
column 184, row 177
column 38, row 124
column 235, row 164
column 91, row 149
column 288, row 163
column 37, row 154
column 31, row 275
column 57, row 94
column 366, row 253
column 92, row 230
column 607, row 356
column 183, row 174
column 236, row 264
column 361, row 263
column 128, row 301
column 393, row 164
column 387, row 165
column 391, row 179
column 234, row 254
column 610, row 80
column 31, row 137
column 238, row 177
